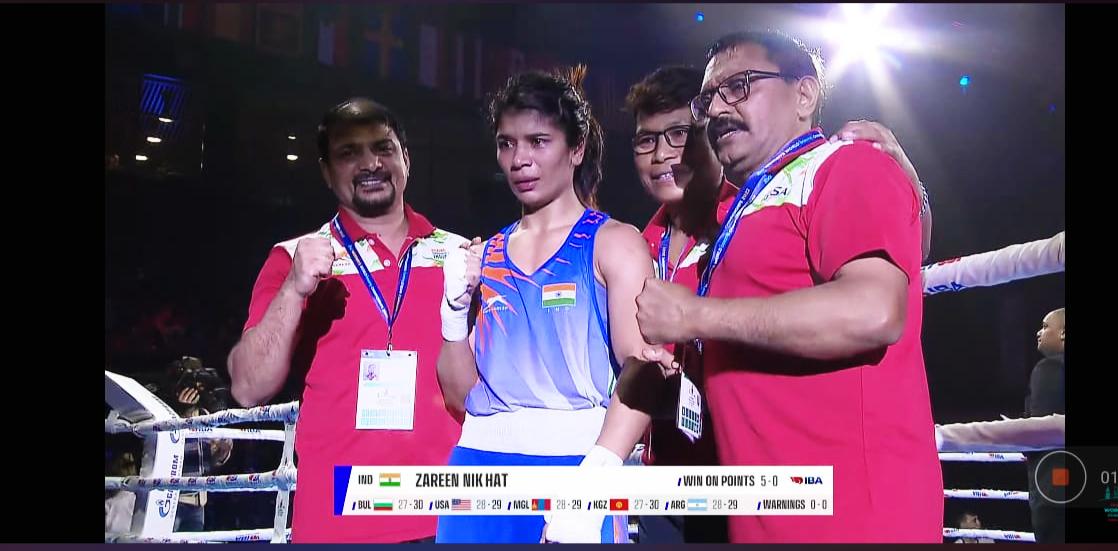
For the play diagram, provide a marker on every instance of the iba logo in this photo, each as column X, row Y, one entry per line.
column 807, row 480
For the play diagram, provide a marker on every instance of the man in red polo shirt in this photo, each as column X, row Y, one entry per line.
column 810, row 306
column 344, row 310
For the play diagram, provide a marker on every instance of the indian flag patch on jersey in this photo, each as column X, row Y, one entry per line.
column 558, row 294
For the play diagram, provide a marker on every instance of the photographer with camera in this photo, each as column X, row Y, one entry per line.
column 197, row 390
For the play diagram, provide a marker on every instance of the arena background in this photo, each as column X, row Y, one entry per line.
column 187, row 230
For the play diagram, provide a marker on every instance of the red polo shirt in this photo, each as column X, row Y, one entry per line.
column 664, row 443
column 340, row 319
column 870, row 416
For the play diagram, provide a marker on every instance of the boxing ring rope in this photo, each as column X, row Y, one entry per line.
column 1008, row 264
column 283, row 412
column 1012, row 263
column 984, row 457
column 206, row 433
column 1005, row 535
column 1042, row 257
column 263, row 534
column 158, row 424
column 1006, row 495
column 282, row 479
column 987, row 494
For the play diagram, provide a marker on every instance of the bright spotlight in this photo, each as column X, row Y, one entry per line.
column 863, row 36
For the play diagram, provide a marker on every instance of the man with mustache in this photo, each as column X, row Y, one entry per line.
column 676, row 166
column 313, row 323
column 809, row 309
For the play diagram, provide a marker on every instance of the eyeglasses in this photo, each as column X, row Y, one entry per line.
column 676, row 136
column 733, row 90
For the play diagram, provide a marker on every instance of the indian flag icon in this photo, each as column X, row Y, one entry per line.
column 389, row 479
column 558, row 294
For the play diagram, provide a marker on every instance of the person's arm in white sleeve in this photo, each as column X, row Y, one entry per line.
column 1027, row 434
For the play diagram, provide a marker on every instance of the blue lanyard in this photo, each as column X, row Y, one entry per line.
column 378, row 298
column 745, row 197
column 665, row 246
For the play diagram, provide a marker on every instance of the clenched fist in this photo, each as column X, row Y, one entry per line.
column 662, row 312
column 313, row 259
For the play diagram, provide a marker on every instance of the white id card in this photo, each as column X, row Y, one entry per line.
column 689, row 412
column 386, row 390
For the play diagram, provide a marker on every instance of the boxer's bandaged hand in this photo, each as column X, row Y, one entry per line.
column 580, row 527
column 455, row 285
column 456, row 299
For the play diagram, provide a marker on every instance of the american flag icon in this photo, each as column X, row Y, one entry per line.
column 461, row 505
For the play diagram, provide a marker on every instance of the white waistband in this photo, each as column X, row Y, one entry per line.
column 534, row 431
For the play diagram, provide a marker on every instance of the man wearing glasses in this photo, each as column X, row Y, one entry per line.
column 808, row 314
column 676, row 166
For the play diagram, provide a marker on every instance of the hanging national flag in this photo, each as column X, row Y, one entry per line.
column 459, row 62
column 607, row 100
column 128, row 10
column 465, row 65
column 434, row 69
column 333, row 35
column 500, row 64
column 279, row 28
column 474, row 68
column 186, row 16
column 383, row 38
column 232, row 21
